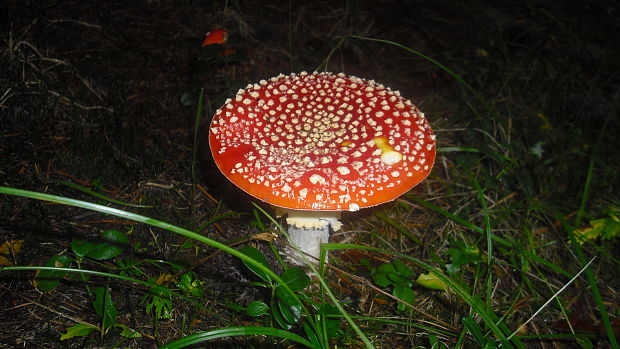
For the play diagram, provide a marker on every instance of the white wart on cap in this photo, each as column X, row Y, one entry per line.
column 322, row 141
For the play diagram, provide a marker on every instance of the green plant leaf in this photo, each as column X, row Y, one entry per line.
column 159, row 301
column 260, row 258
column 604, row 228
column 490, row 344
column 296, row 278
column 381, row 275
column 113, row 243
column 397, row 273
column 474, row 329
column 381, row 280
column 435, row 343
column 82, row 247
column 257, row 308
column 285, row 297
column 129, row 266
column 311, row 335
column 387, row 268
column 430, row 280
column 128, row 332
column 400, row 280
column 105, row 307
column 402, row 269
column 462, row 254
column 291, row 313
column 78, row 330
column 332, row 324
column 191, row 285
column 47, row 280
column 289, row 306
column 406, row 294
column 278, row 316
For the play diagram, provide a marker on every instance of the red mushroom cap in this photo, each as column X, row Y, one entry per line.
column 322, row 141
column 216, row 36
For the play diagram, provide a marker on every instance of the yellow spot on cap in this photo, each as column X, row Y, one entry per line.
column 389, row 156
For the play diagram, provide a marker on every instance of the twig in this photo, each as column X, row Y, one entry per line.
column 66, row 316
column 80, row 106
column 85, row 24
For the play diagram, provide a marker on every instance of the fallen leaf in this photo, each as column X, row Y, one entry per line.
column 11, row 247
column 381, row 301
column 165, row 278
column 5, row 262
column 431, row 281
column 77, row 330
column 46, row 280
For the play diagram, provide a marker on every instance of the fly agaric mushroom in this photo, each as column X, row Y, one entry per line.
column 220, row 37
column 313, row 145
column 216, row 36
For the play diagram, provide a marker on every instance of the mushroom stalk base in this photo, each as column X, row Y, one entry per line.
column 307, row 230
column 308, row 240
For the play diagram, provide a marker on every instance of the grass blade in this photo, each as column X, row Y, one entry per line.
column 551, row 299
column 236, row 331
column 450, row 72
column 401, row 229
column 491, row 320
column 596, row 293
column 325, row 287
column 463, row 222
column 101, row 196
column 196, row 130
column 150, row 221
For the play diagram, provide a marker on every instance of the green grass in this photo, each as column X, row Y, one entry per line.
column 254, row 263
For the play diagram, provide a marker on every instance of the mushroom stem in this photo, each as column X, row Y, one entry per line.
column 308, row 240
column 307, row 230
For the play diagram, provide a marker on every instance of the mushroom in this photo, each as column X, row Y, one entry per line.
column 313, row 145
column 216, row 36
